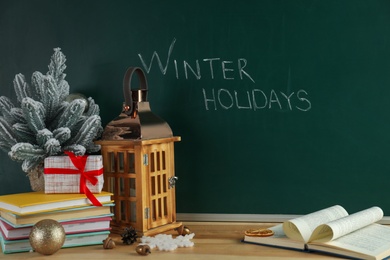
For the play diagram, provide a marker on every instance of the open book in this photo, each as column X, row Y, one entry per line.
column 333, row 230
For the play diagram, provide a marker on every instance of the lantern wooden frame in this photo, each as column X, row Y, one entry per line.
column 141, row 175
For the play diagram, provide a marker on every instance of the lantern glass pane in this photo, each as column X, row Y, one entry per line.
column 111, row 184
column 133, row 211
column 154, row 214
column 163, row 161
column 111, row 162
column 159, row 184
column 123, row 210
column 121, row 160
column 158, row 161
column 153, row 185
column 159, row 208
column 121, row 187
column 131, row 162
column 165, row 183
column 165, row 207
column 113, row 208
column 132, row 187
column 152, row 163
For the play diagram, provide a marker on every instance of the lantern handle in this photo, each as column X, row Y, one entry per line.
column 133, row 96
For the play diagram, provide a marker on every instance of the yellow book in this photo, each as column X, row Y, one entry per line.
column 38, row 201
column 59, row 215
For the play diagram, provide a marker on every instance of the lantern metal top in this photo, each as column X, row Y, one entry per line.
column 136, row 121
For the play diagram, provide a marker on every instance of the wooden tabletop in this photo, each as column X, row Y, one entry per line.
column 213, row 240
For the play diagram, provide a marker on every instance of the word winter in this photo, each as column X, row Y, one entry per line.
column 227, row 67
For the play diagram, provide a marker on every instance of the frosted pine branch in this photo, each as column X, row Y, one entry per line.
column 76, row 149
column 17, row 115
column 4, row 146
column 51, row 97
column 71, row 114
column 25, row 151
column 93, row 109
column 5, row 109
column 93, row 148
column 32, row 163
column 63, row 88
column 34, row 113
column 62, row 134
column 52, row 147
column 8, row 137
column 57, row 65
column 21, row 87
column 37, row 85
column 88, row 132
column 43, row 136
column 23, row 133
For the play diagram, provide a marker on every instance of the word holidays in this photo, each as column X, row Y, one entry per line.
column 255, row 100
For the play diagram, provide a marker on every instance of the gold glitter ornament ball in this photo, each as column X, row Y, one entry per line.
column 47, row 236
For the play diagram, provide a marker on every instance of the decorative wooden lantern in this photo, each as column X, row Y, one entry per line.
column 138, row 158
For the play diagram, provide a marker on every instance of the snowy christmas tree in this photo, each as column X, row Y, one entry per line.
column 45, row 120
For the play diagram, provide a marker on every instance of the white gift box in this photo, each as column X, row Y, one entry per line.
column 62, row 176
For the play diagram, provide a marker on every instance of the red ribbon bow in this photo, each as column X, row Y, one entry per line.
column 79, row 162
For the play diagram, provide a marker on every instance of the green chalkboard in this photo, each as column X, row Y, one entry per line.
column 282, row 105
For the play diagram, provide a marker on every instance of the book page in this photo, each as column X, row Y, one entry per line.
column 348, row 224
column 373, row 240
column 301, row 228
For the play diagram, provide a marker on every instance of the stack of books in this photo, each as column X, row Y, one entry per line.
column 84, row 224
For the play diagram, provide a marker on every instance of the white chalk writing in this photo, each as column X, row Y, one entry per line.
column 254, row 99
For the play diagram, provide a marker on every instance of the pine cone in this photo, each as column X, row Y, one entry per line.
column 129, row 236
